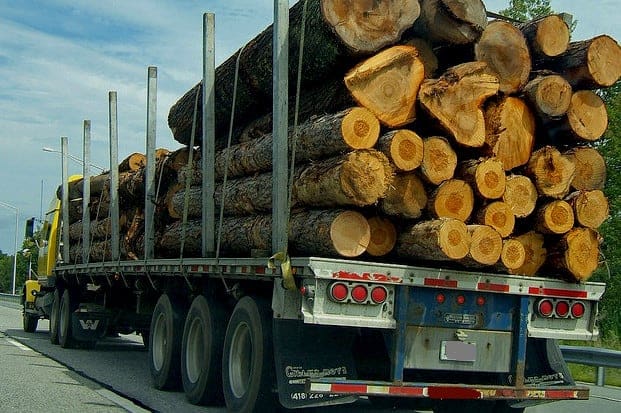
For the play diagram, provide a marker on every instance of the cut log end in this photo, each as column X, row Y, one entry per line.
column 453, row 199
column 590, row 208
column 452, row 21
column 360, row 128
column 604, row 61
column 439, row 160
column 406, row 197
column 487, row 176
column 405, row 149
column 513, row 254
column 579, row 253
column 365, row 177
column 454, row 239
column 590, row 168
column 536, row 254
column 587, row 115
column 486, row 244
column 499, row 216
column 550, row 95
column 350, row 233
column 383, row 236
column 365, row 27
column 556, row 217
column 435, row 240
column 552, row 172
column 552, row 36
column 521, row 195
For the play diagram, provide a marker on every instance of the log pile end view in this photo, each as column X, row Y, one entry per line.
column 427, row 134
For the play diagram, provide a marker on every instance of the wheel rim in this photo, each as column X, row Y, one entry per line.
column 240, row 360
column 195, row 352
column 62, row 318
column 160, row 342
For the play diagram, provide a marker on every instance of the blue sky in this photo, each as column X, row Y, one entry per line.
column 59, row 59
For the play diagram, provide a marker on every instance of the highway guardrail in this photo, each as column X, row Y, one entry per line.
column 10, row 298
column 593, row 356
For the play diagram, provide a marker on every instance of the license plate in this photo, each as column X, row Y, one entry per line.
column 458, row 351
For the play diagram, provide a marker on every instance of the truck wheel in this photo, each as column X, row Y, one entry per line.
column 65, row 333
column 165, row 343
column 29, row 322
column 54, row 315
column 201, row 351
column 248, row 361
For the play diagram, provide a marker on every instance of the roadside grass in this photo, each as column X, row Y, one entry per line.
column 588, row 374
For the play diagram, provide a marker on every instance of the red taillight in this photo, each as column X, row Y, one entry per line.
column 577, row 310
column 461, row 299
column 562, row 309
column 480, row 301
column 545, row 308
column 339, row 292
column 359, row 293
column 378, row 295
column 440, row 298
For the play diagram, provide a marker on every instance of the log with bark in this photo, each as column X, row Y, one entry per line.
column 497, row 215
column 383, row 236
column 549, row 95
column 439, row 160
column 547, row 36
column 520, row 194
column 387, row 84
column 586, row 120
column 403, row 147
column 425, row 54
column 485, row 247
column 406, row 197
column 590, row 168
column 451, row 21
column 575, row 254
column 99, row 230
column 133, row 162
column 341, row 30
column 510, row 131
column 554, row 217
column 452, row 199
column 455, row 99
column 590, row 64
column 551, row 171
column 315, row 232
column 436, row 240
column 485, row 175
column 536, row 253
column 503, row 47
column 590, row 208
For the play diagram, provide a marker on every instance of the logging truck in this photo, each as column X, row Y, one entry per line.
column 434, row 266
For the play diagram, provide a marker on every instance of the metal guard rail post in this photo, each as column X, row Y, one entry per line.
column 592, row 356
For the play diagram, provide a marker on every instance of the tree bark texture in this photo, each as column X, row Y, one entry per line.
column 451, row 21
column 436, row 240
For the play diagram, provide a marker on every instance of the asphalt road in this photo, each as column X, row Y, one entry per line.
column 115, row 377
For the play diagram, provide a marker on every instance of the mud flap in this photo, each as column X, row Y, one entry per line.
column 303, row 351
column 88, row 326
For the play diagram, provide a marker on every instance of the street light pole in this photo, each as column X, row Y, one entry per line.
column 72, row 157
column 4, row 204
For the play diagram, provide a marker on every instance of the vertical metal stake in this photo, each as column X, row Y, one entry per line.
column 209, row 135
column 280, row 125
column 149, row 197
column 86, row 192
column 65, row 201
column 601, row 375
column 113, row 127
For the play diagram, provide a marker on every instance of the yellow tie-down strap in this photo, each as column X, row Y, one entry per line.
column 285, row 269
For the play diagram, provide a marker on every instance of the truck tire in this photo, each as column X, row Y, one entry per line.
column 65, row 331
column 248, row 360
column 165, row 343
column 54, row 315
column 201, row 351
column 29, row 323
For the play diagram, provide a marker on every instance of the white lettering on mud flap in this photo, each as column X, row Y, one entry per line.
column 89, row 324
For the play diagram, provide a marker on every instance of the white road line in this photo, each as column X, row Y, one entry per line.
column 18, row 345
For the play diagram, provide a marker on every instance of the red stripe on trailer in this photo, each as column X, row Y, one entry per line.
column 437, row 282
column 561, row 394
column 366, row 276
column 407, row 391
column 348, row 388
column 453, row 393
column 499, row 288
column 259, row 270
column 194, row 268
column 557, row 292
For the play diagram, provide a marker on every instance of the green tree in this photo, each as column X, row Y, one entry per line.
column 524, row 10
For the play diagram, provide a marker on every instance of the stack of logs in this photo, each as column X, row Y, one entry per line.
column 427, row 134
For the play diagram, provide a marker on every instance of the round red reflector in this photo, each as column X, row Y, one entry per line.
column 577, row 310
column 545, row 308
column 378, row 295
column 359, row 293
column 461, row 299
column 562, row 308
column 440, row 298
column 480, row 301
column 339, row 291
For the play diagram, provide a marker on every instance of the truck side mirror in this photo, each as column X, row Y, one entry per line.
column 30, row 227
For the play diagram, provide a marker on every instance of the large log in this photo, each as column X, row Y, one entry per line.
column 383, row 236
column 318, row 232
column 485, row 247
column 325, row 136
column 451, row 21
column 455, row 99
column 510, row 131
column 403, row 147
column 497, row 215
column 590, row 64
column 586, row 120
column 554, row 217
column 590, row 208
column 549, row 95
column 520, row 194
column 98, row 230
column 590, row 168
column 485, row 175
column 452, row 199
column 551, row 171
column 387, row 84
column 503, row 47
column 547, row 36
column 575, row 254
column 133, row 162
column 437, row 240
column 76, row 188
column 439, row 160
column 336, row 30
column 536, row 254
column 513, row 254
column 406, row 197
